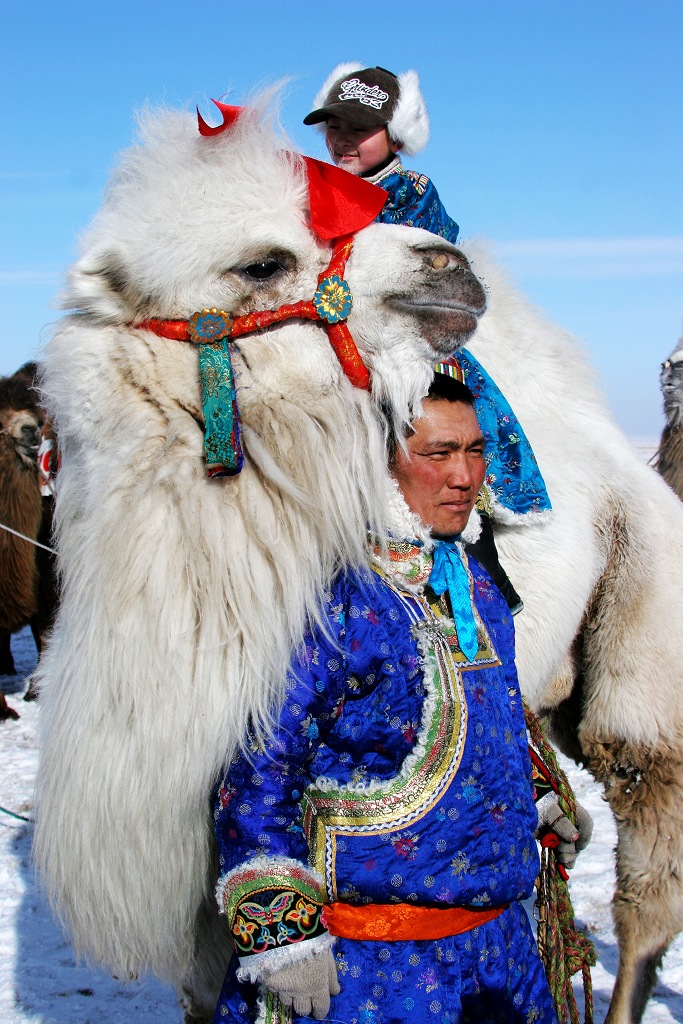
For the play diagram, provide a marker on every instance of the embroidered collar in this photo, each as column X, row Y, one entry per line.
column 407, row 563
column 393, row 167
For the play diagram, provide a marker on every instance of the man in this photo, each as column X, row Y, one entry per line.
column 393, row 806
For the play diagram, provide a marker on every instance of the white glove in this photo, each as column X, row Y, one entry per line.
column 572, row 839
column 306, row 984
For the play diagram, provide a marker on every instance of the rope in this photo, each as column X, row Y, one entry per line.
column 564, row 950
column 13, row 814
column 29, row 539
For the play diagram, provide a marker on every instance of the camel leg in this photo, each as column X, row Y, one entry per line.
column 636, row 978
column 6, row 669
column 201, row 988
column 645, row 791
column 5, row 710
column 32, row 692
column 6, row 660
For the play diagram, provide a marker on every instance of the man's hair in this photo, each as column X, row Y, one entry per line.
column 449, row 389
column 442, row 389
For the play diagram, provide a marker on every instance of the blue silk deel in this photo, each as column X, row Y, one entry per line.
column 414, row 201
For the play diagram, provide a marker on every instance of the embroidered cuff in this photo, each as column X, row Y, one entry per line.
column 271, row 904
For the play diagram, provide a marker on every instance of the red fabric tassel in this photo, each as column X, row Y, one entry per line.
column 341, row 203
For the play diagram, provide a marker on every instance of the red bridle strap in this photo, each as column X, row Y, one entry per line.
column 337, row 331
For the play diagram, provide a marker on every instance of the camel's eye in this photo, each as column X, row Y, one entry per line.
column 263, row 269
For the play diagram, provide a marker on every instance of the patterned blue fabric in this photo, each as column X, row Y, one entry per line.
column 414, row 201
column 512, row 474
column 464, row 979
column 355, row 710
column 222, row 445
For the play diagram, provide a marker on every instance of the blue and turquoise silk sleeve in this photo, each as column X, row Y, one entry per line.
column 335, row 721
column 271, row 899
column 414, row 202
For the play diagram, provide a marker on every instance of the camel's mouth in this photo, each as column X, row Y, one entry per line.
column 29, row 449
column 442, row 307
column 444, row 325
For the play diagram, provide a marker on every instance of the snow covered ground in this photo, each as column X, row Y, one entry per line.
column 41, row 984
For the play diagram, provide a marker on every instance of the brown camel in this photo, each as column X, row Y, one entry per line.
column 27, row 578
column 669, row 458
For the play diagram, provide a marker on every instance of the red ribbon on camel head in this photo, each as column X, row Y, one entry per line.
column 340, row 205
column 230, row 115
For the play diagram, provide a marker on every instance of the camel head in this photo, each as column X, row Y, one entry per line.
column 236, row 222
column 198, row 221
column 671, row 383
column 20, row 416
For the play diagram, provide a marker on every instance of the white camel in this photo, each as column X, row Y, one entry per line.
column 183, row 597
column 600, row 646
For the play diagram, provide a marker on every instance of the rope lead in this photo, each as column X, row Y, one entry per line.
column 29, row 539
column 564, row 950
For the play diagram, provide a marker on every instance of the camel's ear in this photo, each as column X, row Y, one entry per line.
column 100, row 284
column 341, row 203
column 230, row 115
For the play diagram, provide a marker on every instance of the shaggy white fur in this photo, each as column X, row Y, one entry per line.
column 599, row 639
column 595, row 479
column 409, row 127
column 183, row 597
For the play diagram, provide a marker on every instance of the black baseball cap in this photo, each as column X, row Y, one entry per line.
column 365, row 98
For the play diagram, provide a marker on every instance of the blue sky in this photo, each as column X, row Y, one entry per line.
column 556, row 135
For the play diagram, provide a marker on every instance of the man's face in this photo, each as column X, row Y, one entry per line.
column 444, row 468
column 356, row 149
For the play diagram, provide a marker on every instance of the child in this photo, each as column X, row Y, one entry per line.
column 369, row 115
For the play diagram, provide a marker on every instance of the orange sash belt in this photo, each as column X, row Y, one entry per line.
column 401, row 922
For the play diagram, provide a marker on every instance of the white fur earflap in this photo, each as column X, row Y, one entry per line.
column 341, row 71
column 409, row 127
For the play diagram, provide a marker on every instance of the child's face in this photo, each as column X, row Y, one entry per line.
column 357, row 149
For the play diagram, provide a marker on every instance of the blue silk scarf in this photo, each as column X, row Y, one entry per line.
column 449, row 573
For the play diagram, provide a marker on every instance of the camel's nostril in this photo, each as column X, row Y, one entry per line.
column 440, row 261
